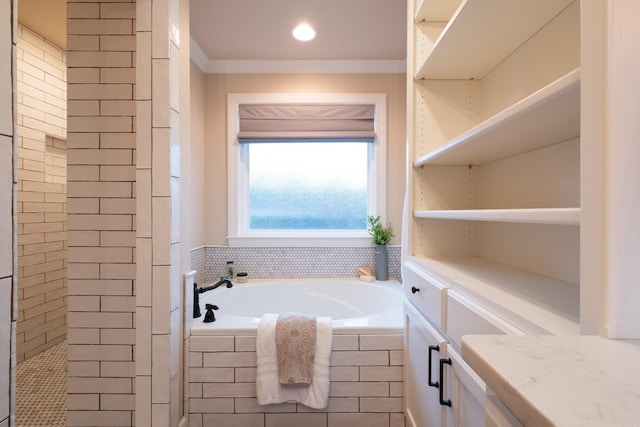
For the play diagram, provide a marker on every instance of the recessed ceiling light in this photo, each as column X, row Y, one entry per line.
column 304, row 32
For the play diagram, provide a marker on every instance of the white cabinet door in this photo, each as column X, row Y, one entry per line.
column 424, row 347
column 468, row 393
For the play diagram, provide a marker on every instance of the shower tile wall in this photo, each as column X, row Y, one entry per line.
column 42, row 238
column 210, row 262
column 102, row 188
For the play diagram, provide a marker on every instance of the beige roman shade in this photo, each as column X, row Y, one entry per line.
column 299, row 122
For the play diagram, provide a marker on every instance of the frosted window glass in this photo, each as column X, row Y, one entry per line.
column 308, row 186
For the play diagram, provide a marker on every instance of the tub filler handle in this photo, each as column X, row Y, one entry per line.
column 197, row 291
column 210, row 316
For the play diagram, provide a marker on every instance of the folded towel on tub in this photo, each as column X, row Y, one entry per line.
column 295, row 348
column 269, row 389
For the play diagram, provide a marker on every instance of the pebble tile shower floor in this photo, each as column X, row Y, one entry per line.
column 42, row 389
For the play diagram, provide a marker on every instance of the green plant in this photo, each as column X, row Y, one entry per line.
column 381, row 234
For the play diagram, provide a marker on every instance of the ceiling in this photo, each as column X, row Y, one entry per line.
column 46, row 18
column 261, row 30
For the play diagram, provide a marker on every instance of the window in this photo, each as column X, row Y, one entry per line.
column 297, row 191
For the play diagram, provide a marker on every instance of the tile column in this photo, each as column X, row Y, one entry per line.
column 158, row 311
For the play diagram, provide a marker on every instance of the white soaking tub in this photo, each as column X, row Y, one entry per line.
column 354, row 306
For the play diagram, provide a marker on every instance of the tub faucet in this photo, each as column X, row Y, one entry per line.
column 197, row 291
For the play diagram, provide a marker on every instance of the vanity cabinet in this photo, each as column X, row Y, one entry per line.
column 440, row 388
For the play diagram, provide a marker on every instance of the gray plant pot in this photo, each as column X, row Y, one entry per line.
column 382, row 262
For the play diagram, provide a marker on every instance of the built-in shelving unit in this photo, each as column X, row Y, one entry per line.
column 473, row 42
column 543, row 118
column 494, row 176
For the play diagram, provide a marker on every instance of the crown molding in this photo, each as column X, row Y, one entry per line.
column 249, row 66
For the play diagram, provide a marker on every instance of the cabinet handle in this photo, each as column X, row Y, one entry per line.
column 432, row 383
column 414, row 290
column 443, row 401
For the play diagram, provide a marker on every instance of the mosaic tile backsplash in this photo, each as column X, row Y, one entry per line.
column 271, row 263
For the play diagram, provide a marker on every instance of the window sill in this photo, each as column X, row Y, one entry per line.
column 301, row 241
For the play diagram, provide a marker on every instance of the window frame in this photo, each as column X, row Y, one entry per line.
column 237, row 196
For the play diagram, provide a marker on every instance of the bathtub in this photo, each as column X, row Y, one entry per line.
column 354, row 306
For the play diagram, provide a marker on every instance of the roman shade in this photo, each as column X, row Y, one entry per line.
column 300, row 122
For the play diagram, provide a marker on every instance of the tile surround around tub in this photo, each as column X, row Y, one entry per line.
column 271, row 263
column 223, row 390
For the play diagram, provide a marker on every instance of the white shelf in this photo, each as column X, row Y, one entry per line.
column 533, row 303
column 551, row 216
column 484, row 32
column 437, row 10
column 550, row 115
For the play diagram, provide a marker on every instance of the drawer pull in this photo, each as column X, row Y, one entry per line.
column 414, row 290
column 443, row 401
column 432, row 383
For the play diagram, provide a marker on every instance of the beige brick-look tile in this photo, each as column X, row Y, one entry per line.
column 98, row 418
column 118, row 75
column 245, row 343
column 233, row 420
column 160, row 30
column 225, row 359
column 101, row 320
column 396, row 420
column 335, row 404
column 160, row 368
column 195, row 360
column 212, row 343
column 381, row 404
column 117, row 336
column 119, row 238
column 83, row 75
column 160, row 300
column 83, row 402
column 212, row 375
column 195, row 420
column 286, row 420
column 98, row 26
column 117, row 173
column 248, row 405
column 160, row 95
column 118, row 10
column 381, row 373
column 195, row 390
column 245, row 375
column 359, row 389
column 117, row 402
column 344, row 342
column 99, row 385
column 359, row 358
column 358, row 419
column 101, row 287
column 117, row 369
column 100, row 352
column 396, row 389
column 89, row 369
column 396, row 357
column 228, row 390
column 344, row 373
column 212, row 406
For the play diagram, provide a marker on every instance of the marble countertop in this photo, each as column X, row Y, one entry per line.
column 560, row 380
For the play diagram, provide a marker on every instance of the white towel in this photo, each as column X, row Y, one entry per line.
column 269, row 389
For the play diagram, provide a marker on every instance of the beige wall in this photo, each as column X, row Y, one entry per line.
column 219, row 85
column 197, row 165
column 42, row 173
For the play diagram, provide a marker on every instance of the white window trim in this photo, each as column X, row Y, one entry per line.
column 285, row 238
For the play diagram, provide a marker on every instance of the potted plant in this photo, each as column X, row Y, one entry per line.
column 381, row 235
